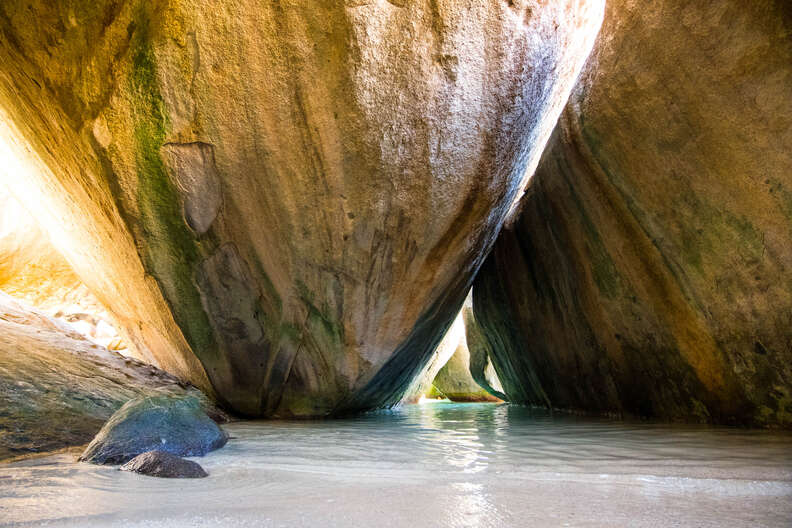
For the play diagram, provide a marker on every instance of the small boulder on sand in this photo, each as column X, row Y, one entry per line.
column 165, row 465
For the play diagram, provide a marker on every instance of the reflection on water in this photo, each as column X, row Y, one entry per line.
column 437, row 464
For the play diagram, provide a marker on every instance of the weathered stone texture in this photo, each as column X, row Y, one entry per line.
column 350, row 163
column 650, row 269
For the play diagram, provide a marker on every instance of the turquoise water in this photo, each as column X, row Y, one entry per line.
column 432, row 465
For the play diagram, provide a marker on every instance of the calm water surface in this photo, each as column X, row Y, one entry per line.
column 432, row 465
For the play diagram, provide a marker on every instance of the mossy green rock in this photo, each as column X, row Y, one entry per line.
column 650, row 269
column 178, row 426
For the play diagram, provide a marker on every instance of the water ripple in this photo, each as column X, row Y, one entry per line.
column 445, row 464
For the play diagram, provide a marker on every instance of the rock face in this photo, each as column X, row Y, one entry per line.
column 650, row 269
column 286, row 202
column 32, row 271
column 30, row 268
column 178, row 426
column 456, row 383
column 57, row 388
column 165, row 465
column 480, row 364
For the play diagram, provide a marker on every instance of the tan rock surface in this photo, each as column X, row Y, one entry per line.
column 285, row 202
column 650, row 271
column 479, row 350
column 32, row 271
column 30, row 268
column 455, row 381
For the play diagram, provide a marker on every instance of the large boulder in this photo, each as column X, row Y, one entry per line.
column 650, row 269
column 57, row 388
column 178, row 426
column 285, row 201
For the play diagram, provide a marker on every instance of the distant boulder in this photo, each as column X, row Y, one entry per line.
column 455, row 381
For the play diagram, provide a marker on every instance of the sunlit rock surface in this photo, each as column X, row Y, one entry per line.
column 453, row 372
column 451, row 365
column 30, row 268
column 456, row 383
column 479, row 363
column 57, row 388
column 650, row 270
column 32, row 271
column 285, row 202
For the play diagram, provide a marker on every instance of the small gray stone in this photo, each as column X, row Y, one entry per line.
column 175, row 425
column 164, row 465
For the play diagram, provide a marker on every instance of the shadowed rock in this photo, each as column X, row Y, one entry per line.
column 422, row 385
column 175, row 425
column 165, row 465
column 650, row 269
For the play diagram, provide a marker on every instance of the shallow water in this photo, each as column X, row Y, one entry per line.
column 432, row 465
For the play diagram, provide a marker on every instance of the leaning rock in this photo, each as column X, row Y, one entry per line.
column 284, row 201
column 649, row 271
column 456, row 383
column 481, row 368
column 175, row 425
column 165, row 465
column 57, row 388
